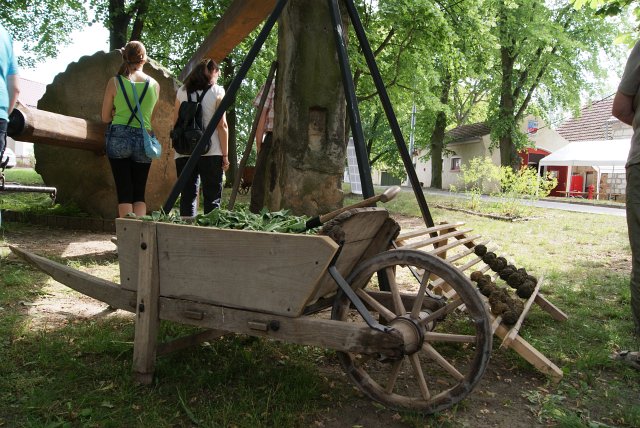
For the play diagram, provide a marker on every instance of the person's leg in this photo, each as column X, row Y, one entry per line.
column 3, row 143
column 211, row 175
column 258, row 184
column 189, row 193
column 139, row 175
column 633, row 223
column 121, row 170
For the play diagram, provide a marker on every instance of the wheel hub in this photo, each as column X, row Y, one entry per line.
column 412, row 331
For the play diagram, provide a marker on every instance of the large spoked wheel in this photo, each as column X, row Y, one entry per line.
column 446, row 349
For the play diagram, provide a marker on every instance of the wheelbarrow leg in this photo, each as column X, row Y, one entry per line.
column 147, row 319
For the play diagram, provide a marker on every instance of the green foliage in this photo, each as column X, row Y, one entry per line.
column 240, row 218
column 42, row 26
column 481, row 176
column 525, row 183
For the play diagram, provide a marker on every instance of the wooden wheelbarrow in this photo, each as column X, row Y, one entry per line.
column 343, row 289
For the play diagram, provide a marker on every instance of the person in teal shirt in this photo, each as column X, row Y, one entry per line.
column 9, row 88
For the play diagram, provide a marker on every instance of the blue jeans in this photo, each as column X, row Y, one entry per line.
column 208, row 169
column 126, row 142
column 129, row 163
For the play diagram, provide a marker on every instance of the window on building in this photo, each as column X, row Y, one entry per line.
column 455, row 164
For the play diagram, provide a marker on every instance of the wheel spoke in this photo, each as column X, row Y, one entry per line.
column 450, row 307
column 398, row 306
column 422, row 382
column 435, row 355
column 377, row 306
column 432, row 336
column 393, row 377
column 417, row 304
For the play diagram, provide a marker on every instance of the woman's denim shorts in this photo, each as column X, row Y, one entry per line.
column 126, row 142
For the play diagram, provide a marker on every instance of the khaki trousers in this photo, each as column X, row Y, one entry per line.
column 633, row 223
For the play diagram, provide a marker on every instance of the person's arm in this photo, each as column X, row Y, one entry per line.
column 623, row 108
column 107, row 102
column 13, row 84
column 223, row 136
column 157, row 87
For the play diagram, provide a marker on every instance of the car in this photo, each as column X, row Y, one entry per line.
column 9, row 157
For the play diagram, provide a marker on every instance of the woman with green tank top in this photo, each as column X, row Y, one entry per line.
column 125, row 143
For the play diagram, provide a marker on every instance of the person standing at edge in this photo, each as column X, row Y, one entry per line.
column 125, row 144
column 212, row 164
column 9, row 86
column 264, row 136
column 626, row 109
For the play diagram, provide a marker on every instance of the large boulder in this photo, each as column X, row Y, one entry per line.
column 84, row 177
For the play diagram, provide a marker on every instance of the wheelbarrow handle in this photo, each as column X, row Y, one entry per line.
column 386, row 196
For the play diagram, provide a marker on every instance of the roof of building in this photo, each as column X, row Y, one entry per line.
column 31, row 92
column 465, row 133
column 593, row 123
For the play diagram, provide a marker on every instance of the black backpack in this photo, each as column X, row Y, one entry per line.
column 189, row 128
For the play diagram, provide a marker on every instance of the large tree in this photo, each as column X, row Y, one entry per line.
column 306, row 162
column 546, row 52
column 461, row 64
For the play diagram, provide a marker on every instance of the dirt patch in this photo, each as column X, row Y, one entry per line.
column 501, row 398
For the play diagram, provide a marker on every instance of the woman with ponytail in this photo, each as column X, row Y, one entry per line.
column 125, row 143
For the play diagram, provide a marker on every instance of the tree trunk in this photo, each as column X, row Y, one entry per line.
column 508, row 155
column 119, row 23
column 305, row 167
column 437, row 136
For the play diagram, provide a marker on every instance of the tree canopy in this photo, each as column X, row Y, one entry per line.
column 461, row 62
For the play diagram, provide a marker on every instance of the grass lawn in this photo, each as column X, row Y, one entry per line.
column 78, row 372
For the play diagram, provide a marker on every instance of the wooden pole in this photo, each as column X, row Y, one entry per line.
column 38, row 126
column 240, row 19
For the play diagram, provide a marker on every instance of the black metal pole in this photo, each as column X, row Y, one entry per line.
column 352, row 103
column 224, row 104
column 391, row 116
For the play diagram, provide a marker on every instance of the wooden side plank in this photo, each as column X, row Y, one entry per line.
column 552, row 309
column 531, row 354
column 421, row 232
column 92, row 286
column 330, row 334
column 261, row 271
column 434, row 240
column 147, row 320
column 513, row 331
